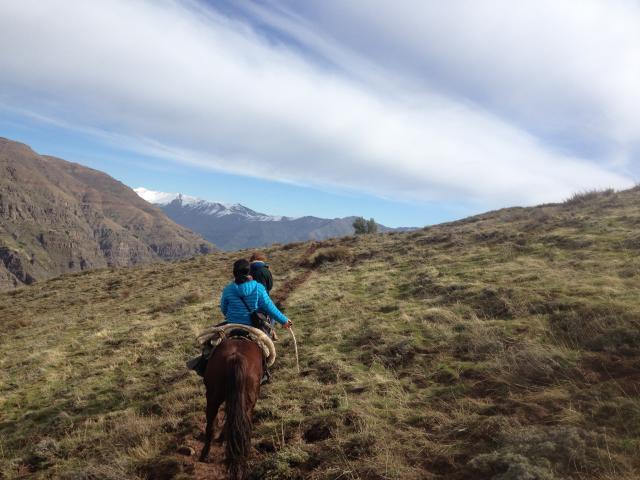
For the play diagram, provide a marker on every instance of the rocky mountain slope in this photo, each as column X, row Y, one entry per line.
column 511, row 351
column 57, row 217
column 234, row 226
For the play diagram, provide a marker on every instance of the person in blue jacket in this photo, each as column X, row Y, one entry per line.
column 234, row 310
column 254, row 295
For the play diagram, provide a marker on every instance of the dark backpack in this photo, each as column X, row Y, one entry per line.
column 261, row 274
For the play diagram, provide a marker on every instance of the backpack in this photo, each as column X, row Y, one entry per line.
column 261, row 274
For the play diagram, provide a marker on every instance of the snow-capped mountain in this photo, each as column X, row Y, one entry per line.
column 234, row 226
column 205, row 207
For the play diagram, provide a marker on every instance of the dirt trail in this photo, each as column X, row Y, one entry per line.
column 215, row 469
column 281, row 295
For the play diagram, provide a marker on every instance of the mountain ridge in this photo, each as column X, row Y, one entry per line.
column 58, row 216
column 235, row 226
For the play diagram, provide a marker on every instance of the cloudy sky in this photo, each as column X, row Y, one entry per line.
column 412, row 112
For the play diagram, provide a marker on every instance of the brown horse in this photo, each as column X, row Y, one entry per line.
column 233, row 376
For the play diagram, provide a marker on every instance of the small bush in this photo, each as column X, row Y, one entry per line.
column 291, row 246
column 319, row 429
column 279, row 466
column 493, row 303
column 435, row 238
column 536, row 364
column 632, row 243
column 359, row 445
column 172, row 306
column 602, row 327
column 327, row 373
column 541, row 453
column 438, row 316
column 478, row 341
column 330, row 255
column 446, row 375
column 509, row 466
column 43, row 454
column 369, row 335
column 426, row 285
column 399, row 354
column 566, row 242
column 161, row 468
column 580, row 198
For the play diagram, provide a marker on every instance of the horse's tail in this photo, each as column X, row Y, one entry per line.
column 237, row 423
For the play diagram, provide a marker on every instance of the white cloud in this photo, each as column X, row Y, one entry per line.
column 203, row 89
column 560, row 69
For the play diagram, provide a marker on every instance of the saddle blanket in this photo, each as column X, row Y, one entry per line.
column 215, row 335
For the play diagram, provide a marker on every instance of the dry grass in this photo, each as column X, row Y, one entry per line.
column 588, row 196
column 501, row 347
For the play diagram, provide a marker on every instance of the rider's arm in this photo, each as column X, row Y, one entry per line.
column 224, row 302
column 266, row 305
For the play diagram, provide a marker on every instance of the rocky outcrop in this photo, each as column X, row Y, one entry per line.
column 57, row 217
column 13, row 265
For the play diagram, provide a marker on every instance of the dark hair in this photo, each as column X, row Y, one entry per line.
column 241, row 269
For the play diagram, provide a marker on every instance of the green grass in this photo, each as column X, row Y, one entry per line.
column 504, row 346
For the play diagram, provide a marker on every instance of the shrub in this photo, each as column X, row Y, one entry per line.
column 362, row 226
column 509, row 466
column 602, row 327
column 632, row 243
column 279, row 466
column 43, row 454
column 291, row 246
column 536, row 364
column 359, row 445
column 477, row 341
column 540, row 453
column 172, row 306
column 330, row 255
column 580, row 198
column 446, row 375
column 493, row 303
column 398, row 354
column 319, row 429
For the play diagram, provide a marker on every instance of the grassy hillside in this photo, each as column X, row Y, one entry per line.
column 505, row 346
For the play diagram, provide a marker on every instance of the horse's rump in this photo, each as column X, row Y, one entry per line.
column 233, row 377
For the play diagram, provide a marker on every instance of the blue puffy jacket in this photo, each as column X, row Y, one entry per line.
column 256, row 297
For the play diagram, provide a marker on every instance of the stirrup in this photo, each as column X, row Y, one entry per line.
column 266, row 375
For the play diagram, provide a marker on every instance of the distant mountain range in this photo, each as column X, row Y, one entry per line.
column 234, row 226
column 57, row 217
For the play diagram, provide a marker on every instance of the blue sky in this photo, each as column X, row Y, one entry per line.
column 264, row 196
column 412, row 112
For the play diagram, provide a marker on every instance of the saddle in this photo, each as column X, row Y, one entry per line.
column 214, row 336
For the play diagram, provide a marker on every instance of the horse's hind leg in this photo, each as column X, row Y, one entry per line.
column 212, row 412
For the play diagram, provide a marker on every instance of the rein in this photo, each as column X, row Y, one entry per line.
column 295, row 346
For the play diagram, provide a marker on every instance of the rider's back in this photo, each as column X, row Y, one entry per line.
column 256, row 297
